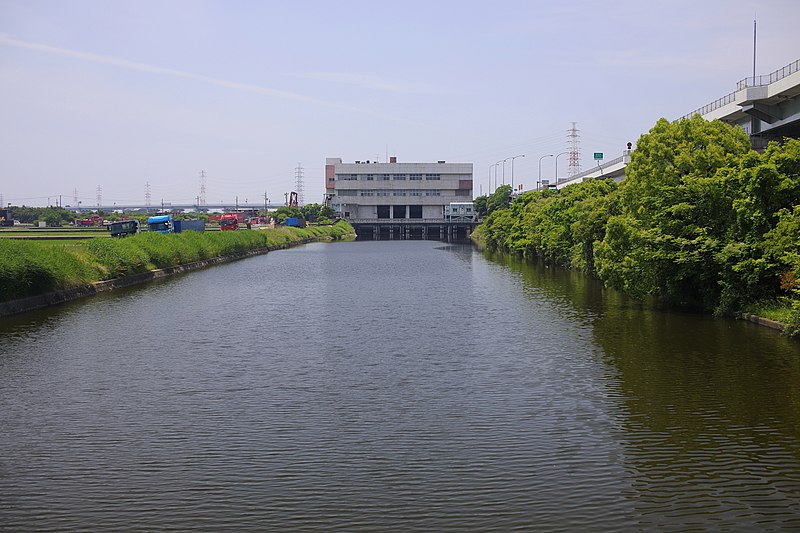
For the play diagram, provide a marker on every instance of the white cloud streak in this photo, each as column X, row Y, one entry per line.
column 374, row 83
column 8, row 40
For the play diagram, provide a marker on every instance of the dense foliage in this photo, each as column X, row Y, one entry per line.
column 700, row 221
column 28, row 268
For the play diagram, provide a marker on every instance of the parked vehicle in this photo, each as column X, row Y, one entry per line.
column 124, row 228
column 160, row 224
column 231, row 221
column 188, row 225
column 166, row 224
column 94, row 220
column 295, row 222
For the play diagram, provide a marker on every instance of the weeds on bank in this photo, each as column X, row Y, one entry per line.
column 28, row 268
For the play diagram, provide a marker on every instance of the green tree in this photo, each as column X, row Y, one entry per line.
column 675, row 212
column 479, row 205
column 499, row 199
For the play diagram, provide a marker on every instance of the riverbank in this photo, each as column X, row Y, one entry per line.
column 700, row 222
column 771, row 315
column 37, row 275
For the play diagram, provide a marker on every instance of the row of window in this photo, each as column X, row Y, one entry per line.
column 388, row 177
column 396, row 192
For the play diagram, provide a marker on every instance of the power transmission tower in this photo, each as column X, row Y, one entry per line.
column 99, row 196
column 574, row 151
column 202, row 198
column 298, row 183
column 147, row 195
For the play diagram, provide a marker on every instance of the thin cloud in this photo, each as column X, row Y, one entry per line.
column 374, row 83
column 8, row 40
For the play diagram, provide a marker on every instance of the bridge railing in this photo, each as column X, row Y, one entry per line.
column 403, row 221
column 716, row 104
column 766, row 79
column 756, row 81
column 592, row 170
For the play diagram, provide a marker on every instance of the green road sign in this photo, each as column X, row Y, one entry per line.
column 598, row 155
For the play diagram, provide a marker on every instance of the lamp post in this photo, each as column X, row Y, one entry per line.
column 495, row 173
column 559, row 155
column 489, row 189
column 504, row 169
column 540, row 170
column 512, row 169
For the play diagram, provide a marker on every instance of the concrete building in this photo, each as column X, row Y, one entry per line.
column 366, row 191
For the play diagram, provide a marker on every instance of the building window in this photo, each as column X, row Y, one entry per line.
column 415, row 192
column 348, row 192
column 399, row 193
column 367, row 192
column 433, row 176
column 381, row 193
column 416, row 177
column 347, row 177
column 385, row 177
column 433, row 192
column 370, row 177
column 463, row 192
column 400, row 177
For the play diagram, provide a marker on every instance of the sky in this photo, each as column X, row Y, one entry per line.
column 103, row 97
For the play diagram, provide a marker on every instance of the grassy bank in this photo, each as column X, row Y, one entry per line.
column 29, row 268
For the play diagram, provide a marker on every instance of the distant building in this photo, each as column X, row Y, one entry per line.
column 367, row 190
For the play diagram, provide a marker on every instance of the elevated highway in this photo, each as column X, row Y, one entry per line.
column 766, row 107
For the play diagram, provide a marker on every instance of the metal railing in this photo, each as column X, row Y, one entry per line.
column 716, row 104
column 766, row 79
column 594, row 169
column 380, row 221
column 757, row 81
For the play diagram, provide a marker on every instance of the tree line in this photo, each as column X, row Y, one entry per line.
column 58, row 216
column 700, row 220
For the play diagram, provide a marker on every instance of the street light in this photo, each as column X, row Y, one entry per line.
column 512, row 169
column 562, row 153
column 540, row 170
column 504, row 169
column 495, row 173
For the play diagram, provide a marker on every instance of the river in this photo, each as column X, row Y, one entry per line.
column 393, row 386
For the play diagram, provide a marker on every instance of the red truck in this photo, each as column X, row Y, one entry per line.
column 230, row 221
column 94, row 220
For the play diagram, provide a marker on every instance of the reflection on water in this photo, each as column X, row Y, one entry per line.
column 393, row 386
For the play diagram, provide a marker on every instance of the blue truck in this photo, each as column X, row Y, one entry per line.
column 295, row 222
column 166, row 224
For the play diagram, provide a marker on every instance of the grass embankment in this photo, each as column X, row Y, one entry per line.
column 29, row 268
